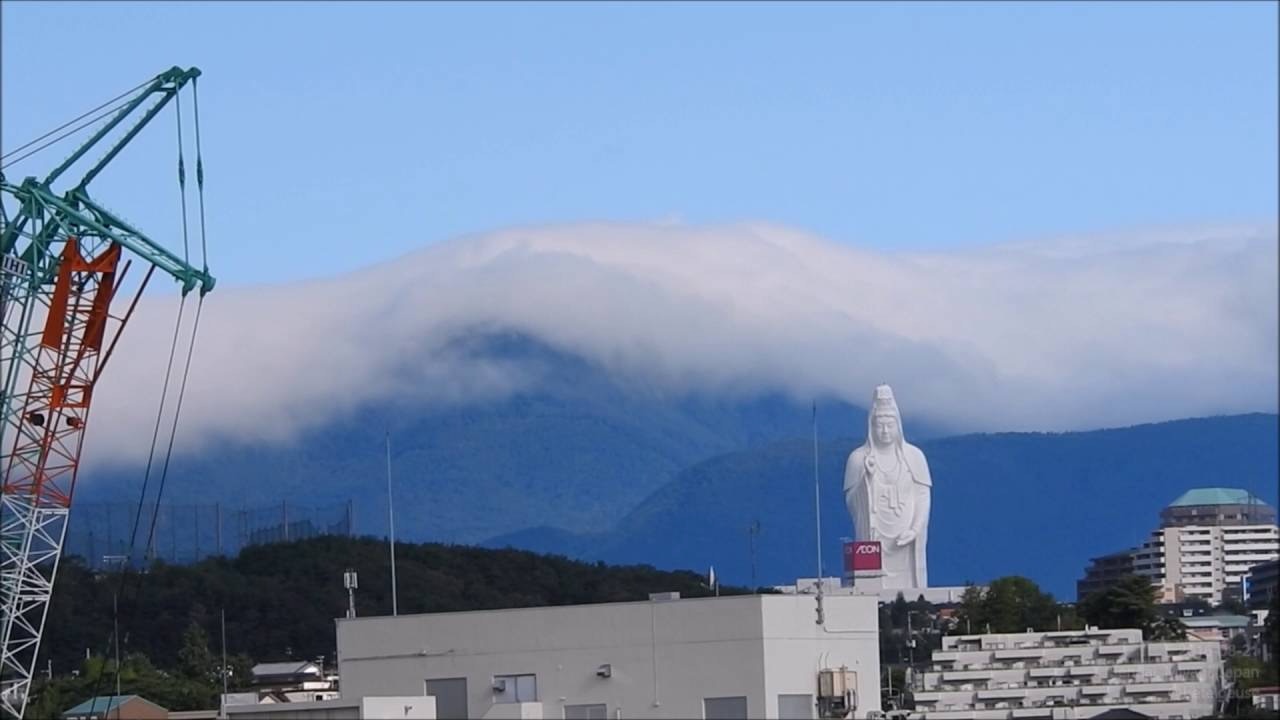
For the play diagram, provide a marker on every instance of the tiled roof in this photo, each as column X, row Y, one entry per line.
column 1215, row 496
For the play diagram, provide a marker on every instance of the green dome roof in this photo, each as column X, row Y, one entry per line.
column 1216, row 496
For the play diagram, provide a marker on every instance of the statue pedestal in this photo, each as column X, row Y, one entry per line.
column 872, row 583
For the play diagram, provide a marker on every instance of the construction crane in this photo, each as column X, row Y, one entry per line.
column 65, row 257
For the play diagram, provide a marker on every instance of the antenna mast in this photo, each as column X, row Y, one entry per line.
column 817, row 510
column 391, row 520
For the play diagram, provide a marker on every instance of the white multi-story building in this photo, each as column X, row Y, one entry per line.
column 1208, row 540
column 1068, row 674
column 746, row 656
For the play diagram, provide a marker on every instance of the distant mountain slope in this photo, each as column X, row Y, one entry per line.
column 576, row 449
column 1016, row 503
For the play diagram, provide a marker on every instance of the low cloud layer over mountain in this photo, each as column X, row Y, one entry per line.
column 1052, row 335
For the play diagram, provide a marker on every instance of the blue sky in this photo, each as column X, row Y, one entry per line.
column 339, row 135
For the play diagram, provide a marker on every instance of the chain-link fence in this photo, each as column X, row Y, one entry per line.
column 101, row 533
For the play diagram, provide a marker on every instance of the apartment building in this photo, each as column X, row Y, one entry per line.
column 1208, row 540
column 1204, row 562
column 1068, row 675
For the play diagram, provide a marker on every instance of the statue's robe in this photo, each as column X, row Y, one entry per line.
column 861, row 503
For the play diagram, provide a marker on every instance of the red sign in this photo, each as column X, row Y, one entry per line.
column 862, row 555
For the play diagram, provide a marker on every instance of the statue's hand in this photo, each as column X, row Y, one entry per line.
column 906, row 538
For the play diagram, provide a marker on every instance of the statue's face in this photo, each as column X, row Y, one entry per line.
column 884, row 429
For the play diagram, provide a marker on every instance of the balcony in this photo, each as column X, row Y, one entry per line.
column 1020, row 653
column 1005, row 693
column 1150, row 688
column 961, row 675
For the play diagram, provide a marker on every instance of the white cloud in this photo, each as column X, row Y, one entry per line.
column 1053, row 335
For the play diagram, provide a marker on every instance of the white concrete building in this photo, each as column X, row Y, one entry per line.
column 748, row 656
column 1202, row 550
column 1068, row 674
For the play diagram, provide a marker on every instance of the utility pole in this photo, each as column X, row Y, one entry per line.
column 115, row 636
column 115, row 633
column 391, row 522
column 911, row 643
column 817, row 512
column 889, row 670
column 223, row 700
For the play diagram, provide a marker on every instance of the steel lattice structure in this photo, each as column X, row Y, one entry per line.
column 62, row 266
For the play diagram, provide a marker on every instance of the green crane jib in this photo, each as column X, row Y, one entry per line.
column 37, row 199
column 60, row 256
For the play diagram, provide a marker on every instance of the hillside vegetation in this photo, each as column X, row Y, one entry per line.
column 281, row 601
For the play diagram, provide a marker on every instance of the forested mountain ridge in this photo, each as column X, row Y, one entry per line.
column 1032, row 504
column 281, row 599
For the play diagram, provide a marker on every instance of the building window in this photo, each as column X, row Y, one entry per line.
column 795, row 707
column 515, row 688
column 586, row 712
column 725, row 708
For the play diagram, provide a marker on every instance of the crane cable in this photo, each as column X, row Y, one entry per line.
column 195, row 326
column 101, row 116
column 137, row 518
column 182, row 386
column 73, row 121
column 204, row 247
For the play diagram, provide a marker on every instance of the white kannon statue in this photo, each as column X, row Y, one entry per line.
column 887, row 488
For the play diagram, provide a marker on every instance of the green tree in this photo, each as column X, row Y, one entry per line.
column 195, row 662
column 898, row 612
column 239, row 673
column 1008, row 605
column 1071, row 619
column 1168, row 628
column 1271, row 630
column 1233, row 606
column 137, row 677
column 1130, row 602
column 970, row 616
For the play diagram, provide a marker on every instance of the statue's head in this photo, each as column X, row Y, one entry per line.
column 884, row 429
column 884, row 421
